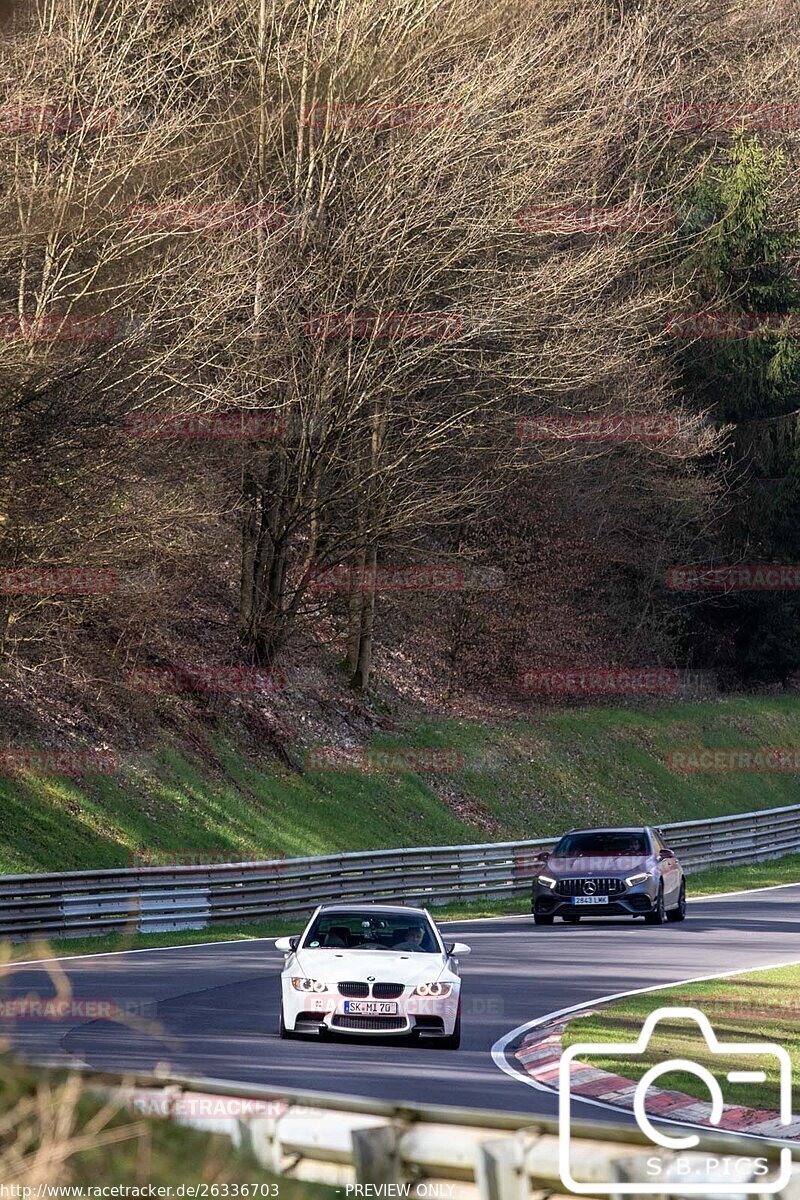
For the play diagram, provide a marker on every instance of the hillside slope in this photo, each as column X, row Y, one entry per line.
column 216, row 795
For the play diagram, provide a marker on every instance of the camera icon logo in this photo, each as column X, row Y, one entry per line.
column 674, row 1174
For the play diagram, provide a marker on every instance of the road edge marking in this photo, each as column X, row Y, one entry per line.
column 498, row 1051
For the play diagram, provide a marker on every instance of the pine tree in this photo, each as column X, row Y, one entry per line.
column 750, row 381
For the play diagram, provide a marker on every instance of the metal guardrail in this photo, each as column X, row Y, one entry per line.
column 401, row 1149
column 149, row 899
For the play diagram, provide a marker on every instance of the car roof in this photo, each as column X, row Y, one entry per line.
column 379, row 908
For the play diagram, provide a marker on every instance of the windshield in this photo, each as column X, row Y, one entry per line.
column 603, row 842
column 372, row 931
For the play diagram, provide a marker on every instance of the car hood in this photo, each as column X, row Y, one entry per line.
column 591, row 867
column 333, row 966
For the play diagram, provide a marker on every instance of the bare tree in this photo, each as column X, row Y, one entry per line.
column 283, row 190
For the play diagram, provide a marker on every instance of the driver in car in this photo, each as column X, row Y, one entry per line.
column 412, row 940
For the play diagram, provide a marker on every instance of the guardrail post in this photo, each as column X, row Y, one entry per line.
column 263, row 1142
column 500, row 1170
column 376, row 1155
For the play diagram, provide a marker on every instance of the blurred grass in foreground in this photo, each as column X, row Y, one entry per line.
column 54, row 1132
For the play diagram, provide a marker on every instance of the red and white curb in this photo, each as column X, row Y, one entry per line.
column 540, row 1059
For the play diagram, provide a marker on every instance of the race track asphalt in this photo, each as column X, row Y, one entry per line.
column 213, row 1010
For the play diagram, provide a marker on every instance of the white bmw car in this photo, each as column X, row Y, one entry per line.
column 371, row 969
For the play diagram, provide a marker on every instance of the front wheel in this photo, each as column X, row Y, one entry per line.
column 453, row 1040
column 659, row 914
column 283, row 1033
column 541, row 919
column 679, row 913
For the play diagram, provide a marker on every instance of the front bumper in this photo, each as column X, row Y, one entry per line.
column 634, row 901
column 421, row 1016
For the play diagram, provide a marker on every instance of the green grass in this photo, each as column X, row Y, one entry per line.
column 760, row 1006
column 751, row 875
column 720, row 879
column 521, row 780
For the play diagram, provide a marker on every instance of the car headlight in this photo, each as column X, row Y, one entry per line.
column 433, row 989
column 547, row 880
column 301, row 984
column 639, row 877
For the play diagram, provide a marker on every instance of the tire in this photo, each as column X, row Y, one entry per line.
column 679, row 913
column 453, row 1040
column 659, row 915
column 571, row 918
column 542, row 919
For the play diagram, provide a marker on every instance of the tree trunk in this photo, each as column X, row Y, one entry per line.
column 365, row 586
column 264, row 559
column 271, row 626
column 247, row 588
column 456, row 642
column 355, row 606
column 360, row 680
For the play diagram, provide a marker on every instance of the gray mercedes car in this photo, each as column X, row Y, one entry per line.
column 608, row 873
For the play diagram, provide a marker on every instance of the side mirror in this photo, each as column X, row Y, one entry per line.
column 543, row 855
column 665, row 854
column 286, row 944
column 458, row 949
